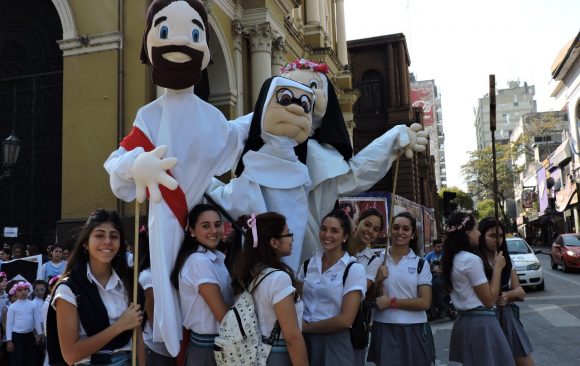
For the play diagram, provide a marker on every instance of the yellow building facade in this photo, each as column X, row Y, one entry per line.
column 104, row 83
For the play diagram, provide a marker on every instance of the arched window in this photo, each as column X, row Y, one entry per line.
column 371, row 89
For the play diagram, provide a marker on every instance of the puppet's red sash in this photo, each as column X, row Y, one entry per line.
column 175, row 199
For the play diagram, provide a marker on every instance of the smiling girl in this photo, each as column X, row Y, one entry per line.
column 202, row 279
column 331, row 299
column 95, row 322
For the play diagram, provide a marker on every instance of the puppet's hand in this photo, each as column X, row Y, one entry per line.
column 417, row 140
column 149, row 171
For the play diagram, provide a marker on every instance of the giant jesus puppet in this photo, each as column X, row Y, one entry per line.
column 179, row 143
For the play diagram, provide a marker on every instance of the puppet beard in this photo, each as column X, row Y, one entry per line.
column 176, row 75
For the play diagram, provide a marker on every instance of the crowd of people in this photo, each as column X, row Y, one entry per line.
column 313, row 310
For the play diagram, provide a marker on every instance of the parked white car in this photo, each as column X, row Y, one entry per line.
column 526, row 263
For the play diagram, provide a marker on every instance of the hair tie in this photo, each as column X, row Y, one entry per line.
column 18, row 286
column 143, row 229
column 252, row 224
column 53, row 279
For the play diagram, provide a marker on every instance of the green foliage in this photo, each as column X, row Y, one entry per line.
column 485, row 208
column 463, row 200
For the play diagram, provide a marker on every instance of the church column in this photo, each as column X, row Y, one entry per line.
column 341, row 33
column 238, row 34
column 261, row 37
column 278, row 51
column 313, row 12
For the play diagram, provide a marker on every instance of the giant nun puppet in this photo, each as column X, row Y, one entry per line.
column 333, row 169
column 177, row 144
column 271, row 177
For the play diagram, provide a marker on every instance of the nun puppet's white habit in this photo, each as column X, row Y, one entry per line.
column 270, row 176
column 200, row 142
column 333, row 169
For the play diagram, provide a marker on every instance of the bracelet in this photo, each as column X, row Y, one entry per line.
column 393, row 303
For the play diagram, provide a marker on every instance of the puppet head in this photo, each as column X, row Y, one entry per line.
column 282, row 116
column 175, row 42
column 328, row 124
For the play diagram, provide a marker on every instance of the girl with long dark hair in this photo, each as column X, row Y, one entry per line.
column 331, row 298
column 476, row 338
column 95, row 322
column 202, row 279
column 401, row 334
column 267, row 241
column 507, row 311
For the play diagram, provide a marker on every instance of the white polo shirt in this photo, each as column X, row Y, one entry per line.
column 158, row 347
column 323, row 292
column 273, row 289
column 403, row 282
column 114, row 298
column 203, row 266
column 467, row 273
column 363, row 257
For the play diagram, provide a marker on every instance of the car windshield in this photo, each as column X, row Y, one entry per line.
column 572, row 241
column 518, row 246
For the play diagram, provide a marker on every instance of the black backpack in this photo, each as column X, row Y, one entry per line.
column 361, row 326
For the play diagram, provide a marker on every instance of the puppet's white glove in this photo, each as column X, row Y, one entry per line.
column 148, row 171
column 417, row 140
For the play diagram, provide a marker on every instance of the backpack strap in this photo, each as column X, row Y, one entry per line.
column 372, row 259
column 420, row 265
column 258, row 280
column 345, row 275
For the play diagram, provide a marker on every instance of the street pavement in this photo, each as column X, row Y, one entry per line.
column 550, row 317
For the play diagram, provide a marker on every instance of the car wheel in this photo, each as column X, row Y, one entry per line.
column 541, row 286
column 565, row 268
column 552, row 263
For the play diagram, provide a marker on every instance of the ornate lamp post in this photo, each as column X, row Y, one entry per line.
column 10, row 153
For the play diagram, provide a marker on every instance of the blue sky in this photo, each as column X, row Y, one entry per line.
column 459, row 43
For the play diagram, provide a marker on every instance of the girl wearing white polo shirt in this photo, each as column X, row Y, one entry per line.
column 202, row 279
column 369, row 226
column 401, row 334
column 476, row 337
column 96, row 320
column 331, row 299
column 276, row 299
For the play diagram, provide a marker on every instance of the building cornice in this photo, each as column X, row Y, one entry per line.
column 91, row 44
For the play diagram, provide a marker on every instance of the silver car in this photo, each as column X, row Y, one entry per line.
column 526, row 263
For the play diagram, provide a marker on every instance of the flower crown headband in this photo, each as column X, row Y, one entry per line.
column 461, row 226
column 18, row 286
column 3, row 274
column 303, row 64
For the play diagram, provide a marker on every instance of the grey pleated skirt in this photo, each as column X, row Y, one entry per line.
column 200, row 350
column 514, row 331
column 329, row 349
column 401, row 345
column 477, row 340
column 359, row 356
column 155, row 359
column 278, row 354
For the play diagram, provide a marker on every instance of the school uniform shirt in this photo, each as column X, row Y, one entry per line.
column 403, row 282
column 50, row 269
column 467, row 273
column 323, row 292
column 363, row 257
column 273, row 289
column 203, row 266
column 38, row 311
column 157, row 347
column 113, row 295
column 22, row 318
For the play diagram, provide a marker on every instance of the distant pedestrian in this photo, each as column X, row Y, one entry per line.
column 21, row 324
column 56, row 265
column 507, row 311
column 476, row 338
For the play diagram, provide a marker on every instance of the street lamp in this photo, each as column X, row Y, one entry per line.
column 11, row 151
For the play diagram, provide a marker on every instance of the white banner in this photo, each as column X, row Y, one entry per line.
column 10, row 232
